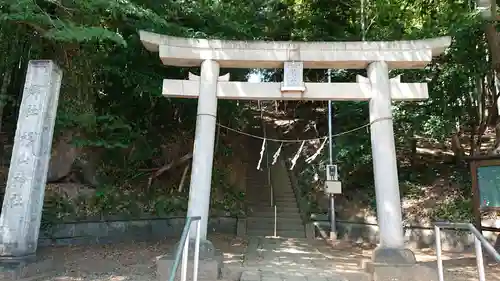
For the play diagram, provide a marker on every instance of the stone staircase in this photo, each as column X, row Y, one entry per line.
column 261, row 214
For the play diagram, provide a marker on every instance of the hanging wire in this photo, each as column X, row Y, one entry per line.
column 306, row 140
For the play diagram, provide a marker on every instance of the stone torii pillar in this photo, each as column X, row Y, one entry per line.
column 377, row 57
column 384, row 156
column 203, row 151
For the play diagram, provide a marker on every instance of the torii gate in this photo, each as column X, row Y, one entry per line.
column 377, row 57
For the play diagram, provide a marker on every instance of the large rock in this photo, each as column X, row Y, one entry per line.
column 68, row 190
column 63, row 156
column 87, row 170
column 67, row 159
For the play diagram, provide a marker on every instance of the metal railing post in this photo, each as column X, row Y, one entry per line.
column 438, row 253
column 183, row 250
column 275, row 218
column 479, row 243
column 269, row 179
column 196, row 251
column 270, row 184
column 185, row 257
column 479, row 259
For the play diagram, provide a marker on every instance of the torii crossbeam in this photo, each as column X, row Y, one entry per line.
column 361, row 91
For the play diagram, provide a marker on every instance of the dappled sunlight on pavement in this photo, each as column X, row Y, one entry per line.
column 291, row 258
column 258, row 258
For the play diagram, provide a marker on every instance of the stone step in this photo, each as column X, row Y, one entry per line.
column 256, row 211
column 285, row 190
column 270, row 220
column 270, row 225
column 271, row 215
column 258, row 185
column 258, row 178
column 283, row 273
column 285, row 208
column 278, row 226
column 267, row 203
column 280, row 208
column 258, row 201
column 280, row 229
column 278, row 194
column 268, row 207
column 287, row 234
column 262, row 191
column 285, row 196
column 286, row 204
column 284, row 200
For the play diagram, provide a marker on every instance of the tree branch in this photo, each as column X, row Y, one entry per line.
column 34, row 26
column 169, row 166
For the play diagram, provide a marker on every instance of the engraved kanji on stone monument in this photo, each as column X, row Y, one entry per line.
column 23, row 202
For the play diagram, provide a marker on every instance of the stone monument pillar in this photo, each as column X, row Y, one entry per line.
column 23, row 202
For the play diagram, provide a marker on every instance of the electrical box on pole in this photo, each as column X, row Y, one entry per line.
column 332, row 184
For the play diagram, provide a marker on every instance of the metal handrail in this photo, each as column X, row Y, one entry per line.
column 269, row 181
column 270, row 184
column 183, row 249
column 479, row 243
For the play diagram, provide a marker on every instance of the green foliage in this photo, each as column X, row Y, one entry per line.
column 458, row 206
column 308, row 182
column 110, row 132
column 231, row 202
column 168, row 205
column 456, row 210
column 111, row 95
column 111, row 201
column 55, row 210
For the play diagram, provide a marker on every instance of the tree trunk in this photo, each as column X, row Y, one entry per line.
column 489, row 13
column 492, row 40
column 457, row 148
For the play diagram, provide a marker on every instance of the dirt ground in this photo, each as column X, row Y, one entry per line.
column 123, row 261
column 461, row 266
column 136, row 261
